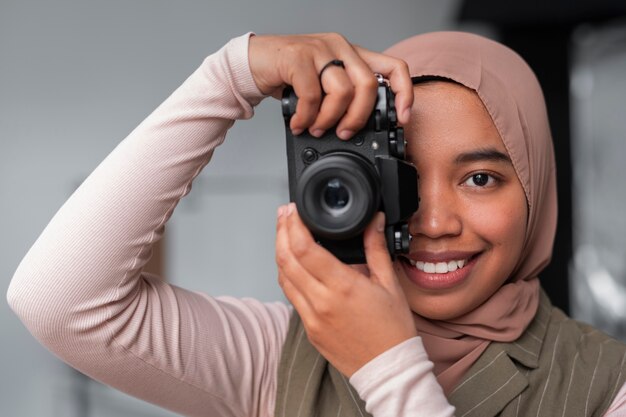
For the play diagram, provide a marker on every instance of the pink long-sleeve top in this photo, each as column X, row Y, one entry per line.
column 81, row 291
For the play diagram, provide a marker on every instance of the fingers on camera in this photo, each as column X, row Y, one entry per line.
column 360, row 107
column 339, row 94
column 309, row 99
column 350, row 97
column 344, row 96
column 397, row 71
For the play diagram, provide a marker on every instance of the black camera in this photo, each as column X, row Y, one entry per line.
column 338, row 186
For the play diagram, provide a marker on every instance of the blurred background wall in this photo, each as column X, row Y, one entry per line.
column 77, row 76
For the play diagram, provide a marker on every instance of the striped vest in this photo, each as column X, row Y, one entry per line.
column 558, row 367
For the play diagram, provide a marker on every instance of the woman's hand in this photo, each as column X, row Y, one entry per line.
column 350, row 318
column 350, row 92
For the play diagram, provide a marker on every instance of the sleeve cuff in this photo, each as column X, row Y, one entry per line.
column 239, row 64
column 391, row 364
column 400, row 382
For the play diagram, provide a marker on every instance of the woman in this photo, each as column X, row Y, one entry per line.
column 458, row 322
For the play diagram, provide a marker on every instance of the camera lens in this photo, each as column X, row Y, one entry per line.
column 338, row 195
column 335, row 197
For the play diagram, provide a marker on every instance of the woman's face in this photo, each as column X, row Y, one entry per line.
column 469, row 229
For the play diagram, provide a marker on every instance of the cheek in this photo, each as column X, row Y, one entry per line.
column 502, row 225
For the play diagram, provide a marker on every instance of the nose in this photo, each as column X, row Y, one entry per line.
column 439, row 214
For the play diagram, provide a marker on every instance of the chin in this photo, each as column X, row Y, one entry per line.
column 435, row 309
column 437, row 304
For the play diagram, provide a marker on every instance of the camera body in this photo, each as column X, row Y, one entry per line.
column 338, row 185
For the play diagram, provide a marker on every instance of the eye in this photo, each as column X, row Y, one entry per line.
column 481, row 179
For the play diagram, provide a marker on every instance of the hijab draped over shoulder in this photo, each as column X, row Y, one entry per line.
column 513, row 98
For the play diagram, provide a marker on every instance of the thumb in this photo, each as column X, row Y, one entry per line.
column 377, row 254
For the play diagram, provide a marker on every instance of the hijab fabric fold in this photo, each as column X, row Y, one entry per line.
column 513, row 98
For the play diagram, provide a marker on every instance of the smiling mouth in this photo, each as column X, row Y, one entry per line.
column 441, row 267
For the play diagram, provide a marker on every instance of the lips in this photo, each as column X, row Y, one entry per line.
column 439, row 270
column 439, row 267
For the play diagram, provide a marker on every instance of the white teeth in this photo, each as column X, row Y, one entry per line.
column 453, row 266
column 439, row 267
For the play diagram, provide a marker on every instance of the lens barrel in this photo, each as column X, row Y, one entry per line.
column 338, row 195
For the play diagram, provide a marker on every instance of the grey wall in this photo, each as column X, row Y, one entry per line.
column 76, row 77
column 598, row 92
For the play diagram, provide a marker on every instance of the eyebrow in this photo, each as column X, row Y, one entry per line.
column 489, row 154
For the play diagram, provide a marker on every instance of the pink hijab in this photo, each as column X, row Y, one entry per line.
column 512, row 95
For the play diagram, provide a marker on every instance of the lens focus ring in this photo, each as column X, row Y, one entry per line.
column 338, row 195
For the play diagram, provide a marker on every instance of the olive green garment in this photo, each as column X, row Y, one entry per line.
column 558, row 367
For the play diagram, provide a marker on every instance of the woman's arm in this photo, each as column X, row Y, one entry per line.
column 81, row 291
column 400, row 382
